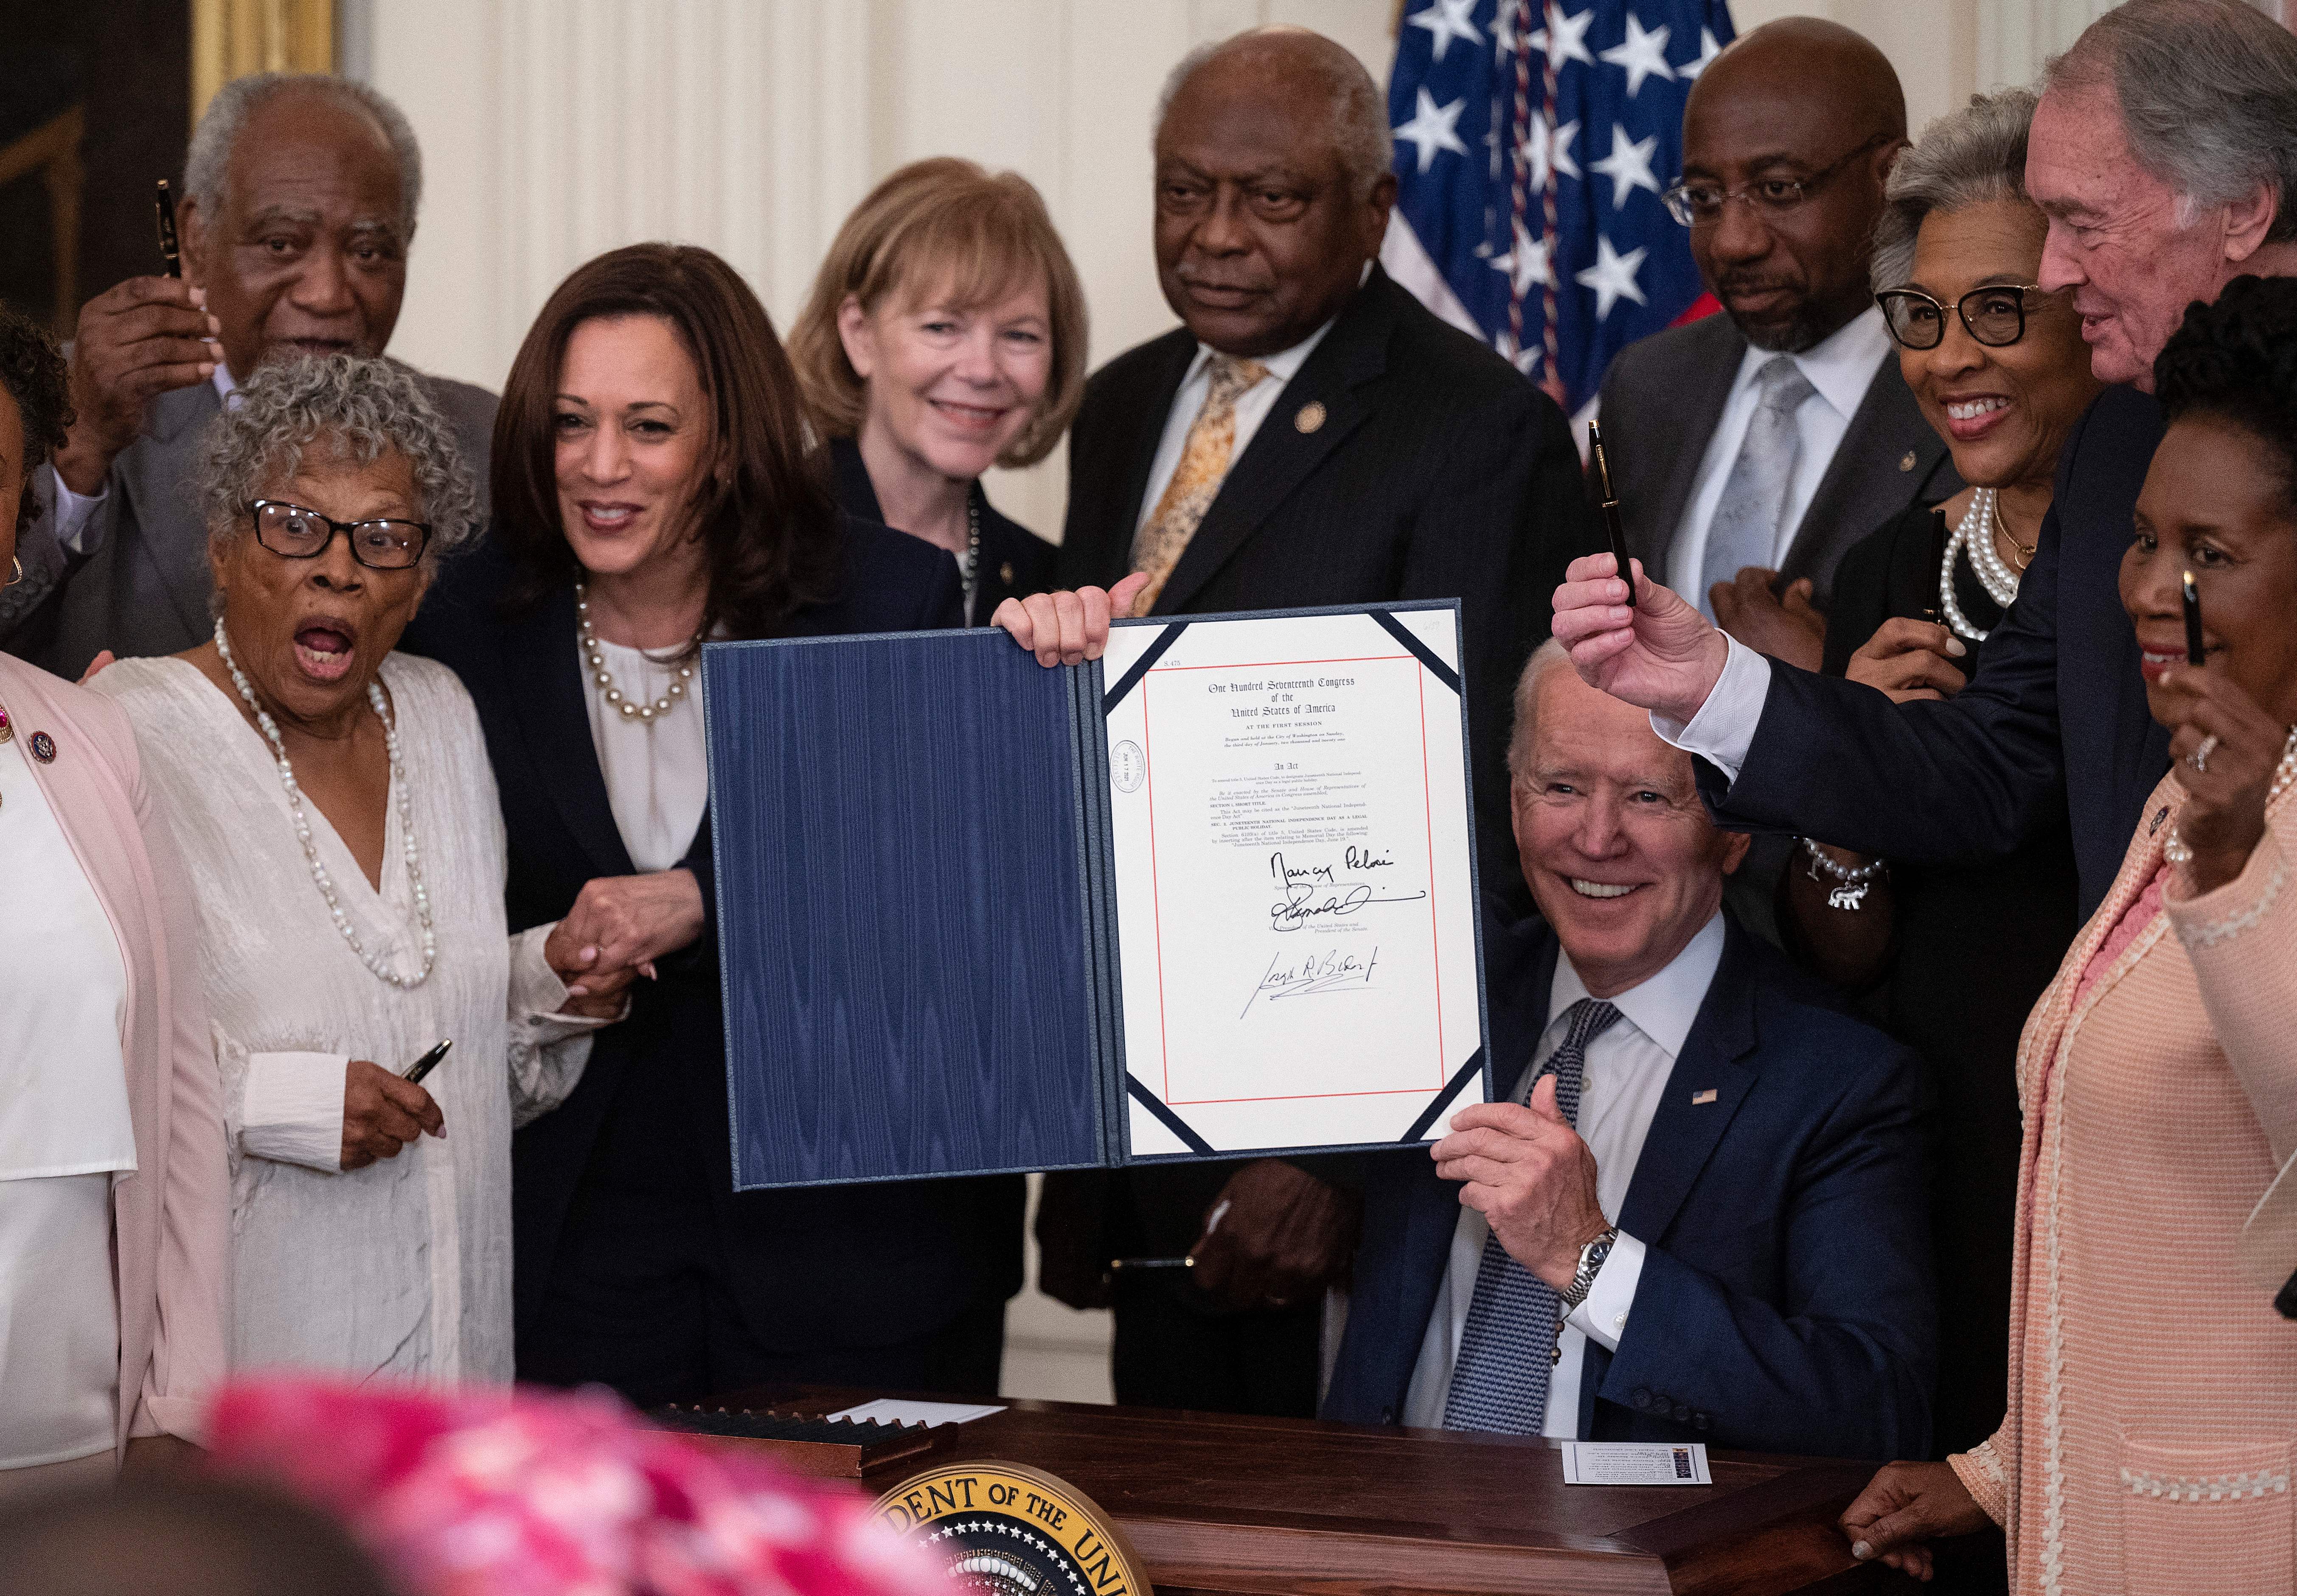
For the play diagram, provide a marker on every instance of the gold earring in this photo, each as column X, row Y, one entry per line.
column 16, row 570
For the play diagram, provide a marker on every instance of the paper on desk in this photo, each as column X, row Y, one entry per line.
column 1634, row 1463
column 886, row 1410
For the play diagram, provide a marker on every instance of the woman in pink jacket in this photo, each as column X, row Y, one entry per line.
column 113, row 1208
column 2152, row 1421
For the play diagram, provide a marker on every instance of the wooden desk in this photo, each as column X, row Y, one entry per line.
column 1251, row 1507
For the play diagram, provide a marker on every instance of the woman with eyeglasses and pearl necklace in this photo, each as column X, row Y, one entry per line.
column 1953, row 958
column 334, row 808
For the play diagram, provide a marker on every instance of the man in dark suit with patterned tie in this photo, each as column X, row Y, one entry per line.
column 1310, row 436
column 1700, row 1211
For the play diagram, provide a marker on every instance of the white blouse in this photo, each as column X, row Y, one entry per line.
column 402, row 1268
column 64, row 1132
column 657, row 771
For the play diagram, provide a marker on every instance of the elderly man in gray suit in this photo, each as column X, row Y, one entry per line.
column 1751, row 449
column 300, row 201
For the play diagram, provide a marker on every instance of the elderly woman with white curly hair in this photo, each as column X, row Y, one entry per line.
column 337, row 816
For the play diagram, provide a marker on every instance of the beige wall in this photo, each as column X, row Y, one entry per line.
column 555, row 129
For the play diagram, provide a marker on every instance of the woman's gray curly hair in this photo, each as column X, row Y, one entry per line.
column 347, row 406
column 1969, row 157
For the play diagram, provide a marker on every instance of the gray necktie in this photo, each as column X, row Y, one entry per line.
column 1745, row 530
column 1507, row 1346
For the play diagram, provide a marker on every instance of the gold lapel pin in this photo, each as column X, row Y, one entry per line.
column 7, row 728
column 1696, row 1097
column 1906, row 460
column 1310, row 416
column 44, row 748
column 1005, row 573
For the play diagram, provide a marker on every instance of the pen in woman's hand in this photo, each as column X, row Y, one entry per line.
column 414, row 1073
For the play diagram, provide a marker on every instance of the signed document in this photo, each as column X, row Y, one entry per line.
column 1213, row 893
column 1294, row 905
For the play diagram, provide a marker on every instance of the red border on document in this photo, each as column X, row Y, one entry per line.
column 1427, row 810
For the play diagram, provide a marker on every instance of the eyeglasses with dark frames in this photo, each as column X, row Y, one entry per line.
column 1700, row 204
column 295, row 532
column 1995, row 315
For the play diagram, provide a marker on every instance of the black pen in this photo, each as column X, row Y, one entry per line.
column 1612, row 528
column 1117, row 1263
column 164, row 203
column 2193, row 622
column 414, row 1073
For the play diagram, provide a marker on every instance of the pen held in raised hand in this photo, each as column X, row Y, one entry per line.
column 163, row 204
column 1614, row 530
column 2193, row 596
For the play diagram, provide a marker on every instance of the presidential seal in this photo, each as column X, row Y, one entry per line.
column 1128, row 766
column 1007, row 1530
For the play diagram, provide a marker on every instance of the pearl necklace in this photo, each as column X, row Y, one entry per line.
column 968, row 568
column 630, row 707
column 2285, row 775
column 319, row 877
column 1976, row 534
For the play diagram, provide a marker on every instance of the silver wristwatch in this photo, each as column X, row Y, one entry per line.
column 1591, row 1264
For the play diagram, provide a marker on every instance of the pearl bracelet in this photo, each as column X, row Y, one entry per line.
column 1851, row 886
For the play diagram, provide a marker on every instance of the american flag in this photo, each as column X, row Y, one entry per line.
column 1531, row 150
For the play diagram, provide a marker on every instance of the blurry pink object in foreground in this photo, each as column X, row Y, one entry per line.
column 549, row 1493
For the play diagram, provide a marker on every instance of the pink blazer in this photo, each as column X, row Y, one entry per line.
column 172, row 1218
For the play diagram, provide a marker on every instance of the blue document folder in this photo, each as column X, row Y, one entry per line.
column 917, row 937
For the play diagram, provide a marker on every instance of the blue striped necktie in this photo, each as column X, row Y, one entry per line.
column 1499, row 1380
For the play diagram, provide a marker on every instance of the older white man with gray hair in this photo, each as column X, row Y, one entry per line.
column 300, row 201
column 1697, row 1213
column 1309, row 435
column 2162, row 154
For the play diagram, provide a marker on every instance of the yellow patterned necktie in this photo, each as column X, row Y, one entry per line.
column 1197, row 480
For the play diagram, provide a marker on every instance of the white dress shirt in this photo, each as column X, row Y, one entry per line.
column 1627, row 1068
column 65, row 1132
column 1723, row 728
column 75, row 510
column 657, row 771
column 1840, row 366
column 1251, row 408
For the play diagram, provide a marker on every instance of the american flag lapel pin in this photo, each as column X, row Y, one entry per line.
column 1696, row 1097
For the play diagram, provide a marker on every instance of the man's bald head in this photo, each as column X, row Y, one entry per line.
column 1272, row 187
column 1806, row 59
column 1806, row 101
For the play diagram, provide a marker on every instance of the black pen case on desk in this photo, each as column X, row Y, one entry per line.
column 917, row 939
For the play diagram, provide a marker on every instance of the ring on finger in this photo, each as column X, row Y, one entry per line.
column 2200, row 758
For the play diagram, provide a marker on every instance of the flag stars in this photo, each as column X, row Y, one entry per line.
column 1628, row 166
column 1565, row 39
column 1640, row 54
column 1708, row 51
column 1526, row 266
column 1445, row 20
column 1433, row 128
column 1549, row 152
column 1612, row 276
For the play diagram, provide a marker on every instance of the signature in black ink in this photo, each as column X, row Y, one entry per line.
column 1317, row 892
column 1335, row 969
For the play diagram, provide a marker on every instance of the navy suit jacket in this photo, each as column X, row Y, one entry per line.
column 2053, row 723
column 829, row 1266
column 1787, row 1301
